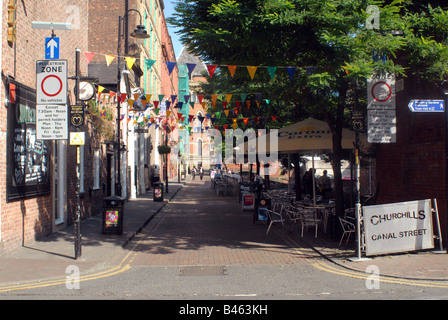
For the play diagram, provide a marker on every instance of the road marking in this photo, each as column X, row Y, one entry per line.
column 108, row 273
column 359, row 275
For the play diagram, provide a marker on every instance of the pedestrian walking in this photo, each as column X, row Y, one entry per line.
column 201, row 172
column 194, row 171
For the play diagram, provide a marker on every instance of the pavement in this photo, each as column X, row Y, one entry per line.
column 50, row 257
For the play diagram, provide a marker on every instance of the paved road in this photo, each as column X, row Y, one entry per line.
column 202, row 246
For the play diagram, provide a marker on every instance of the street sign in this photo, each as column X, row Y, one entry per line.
column 51, row 122
column 381, row 91
column 52, row 48
column 381, row 126
column 427, row 106
column 77, row 116
column 51, row 82
column 77, row 138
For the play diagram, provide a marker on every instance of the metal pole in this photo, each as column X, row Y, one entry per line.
column 77, row 225
column 118, row 142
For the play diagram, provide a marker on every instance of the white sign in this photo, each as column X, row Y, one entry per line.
column 51, row 82
column 77, row 138
column 398, row 227
column 51, row 122
column 381, row 126
column 381, row 91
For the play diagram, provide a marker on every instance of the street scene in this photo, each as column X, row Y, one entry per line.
column 208, row 151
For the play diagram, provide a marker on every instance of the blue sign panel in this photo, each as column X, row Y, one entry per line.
column 427, row 106
column 52, row 48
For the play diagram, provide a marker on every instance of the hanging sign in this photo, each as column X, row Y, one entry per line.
column 398, row 227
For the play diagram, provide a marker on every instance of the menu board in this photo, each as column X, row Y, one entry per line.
column 28, row 159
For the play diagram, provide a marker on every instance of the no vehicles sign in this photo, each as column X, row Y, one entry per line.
column 51, row 82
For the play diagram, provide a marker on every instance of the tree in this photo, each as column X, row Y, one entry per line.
column 334, row 37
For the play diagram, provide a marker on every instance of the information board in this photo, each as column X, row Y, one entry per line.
column 52, row 122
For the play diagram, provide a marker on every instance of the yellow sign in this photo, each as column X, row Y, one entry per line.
column 77, row 138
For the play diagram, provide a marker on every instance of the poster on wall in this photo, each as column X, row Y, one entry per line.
column 28, row 159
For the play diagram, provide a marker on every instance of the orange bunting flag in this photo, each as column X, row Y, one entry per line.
column 148, row 97
column 234, row 125
column 203, row 103
column 245, row 121
column 248, row 104
column 235, row 110
column 226, row 112
column 89, row 56
column 214, row 97
column 228, row 97
column 252, row 71
column 232, row 69
column 131, row 103
column 109, row 59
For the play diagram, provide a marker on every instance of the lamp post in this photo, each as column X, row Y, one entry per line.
column 444, row 86
column 139, row 33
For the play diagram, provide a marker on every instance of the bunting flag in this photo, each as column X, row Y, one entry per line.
column 243, row 97
column 232, row 69
column 227, row 112
column 271, row 71
column 130, row 62
column 190, row 67
column 224, row 104
column 214, row 97
column 190, row 118
column 179, row 105
column 161, row 96
column 123, row 97
column 211, row 69
column 291, row 71
column 89, row 56
column 148, row 97
column 109, row 59
column 228, row 97
column 156, row 104
column 201, row 118
column 245, row 121
column 252, row 71
column 170, row 66
column 200, row 97
column 149, row 63
column 186, row 98
column 173, row 98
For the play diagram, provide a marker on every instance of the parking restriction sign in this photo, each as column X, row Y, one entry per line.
column 51, row 82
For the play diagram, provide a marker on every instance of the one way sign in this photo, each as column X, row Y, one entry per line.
column 52, row 48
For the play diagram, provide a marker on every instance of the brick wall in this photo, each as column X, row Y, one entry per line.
column 25, row 220
column 414, row 167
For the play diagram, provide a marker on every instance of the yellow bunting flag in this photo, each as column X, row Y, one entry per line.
column 131, row 103
column 228, row 97
column 148, row 97
column 109, row 59
column 226, row 112
column 252, row 71
column 130, row 62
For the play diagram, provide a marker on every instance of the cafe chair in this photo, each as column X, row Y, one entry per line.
column 308, row 217
column 348, row 229
column 274, row 217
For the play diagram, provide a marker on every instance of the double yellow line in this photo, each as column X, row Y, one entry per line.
column 111, row 272
column 364, row 276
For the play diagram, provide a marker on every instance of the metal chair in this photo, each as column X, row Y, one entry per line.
column 274, row 217
column 348, row 228
column 308, row 217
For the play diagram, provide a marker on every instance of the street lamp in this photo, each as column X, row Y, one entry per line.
column 444, row 87
column 139, row 33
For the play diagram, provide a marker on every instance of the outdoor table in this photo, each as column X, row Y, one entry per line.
column 325, row 209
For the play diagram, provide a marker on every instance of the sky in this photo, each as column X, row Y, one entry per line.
column 169, row 10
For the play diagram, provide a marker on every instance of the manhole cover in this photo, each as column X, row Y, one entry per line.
column 203, row 271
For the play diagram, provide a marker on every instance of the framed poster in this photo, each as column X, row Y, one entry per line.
column 28, row 159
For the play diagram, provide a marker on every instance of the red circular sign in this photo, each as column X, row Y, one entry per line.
column 388, row 88
column 60, row 85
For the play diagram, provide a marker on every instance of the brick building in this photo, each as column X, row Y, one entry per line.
column 414, row 168
column 29, row 172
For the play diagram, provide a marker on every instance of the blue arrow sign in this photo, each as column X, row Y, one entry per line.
column 427, row 106
column 52, row 48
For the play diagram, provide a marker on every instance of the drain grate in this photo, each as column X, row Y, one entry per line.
column 203, row 271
